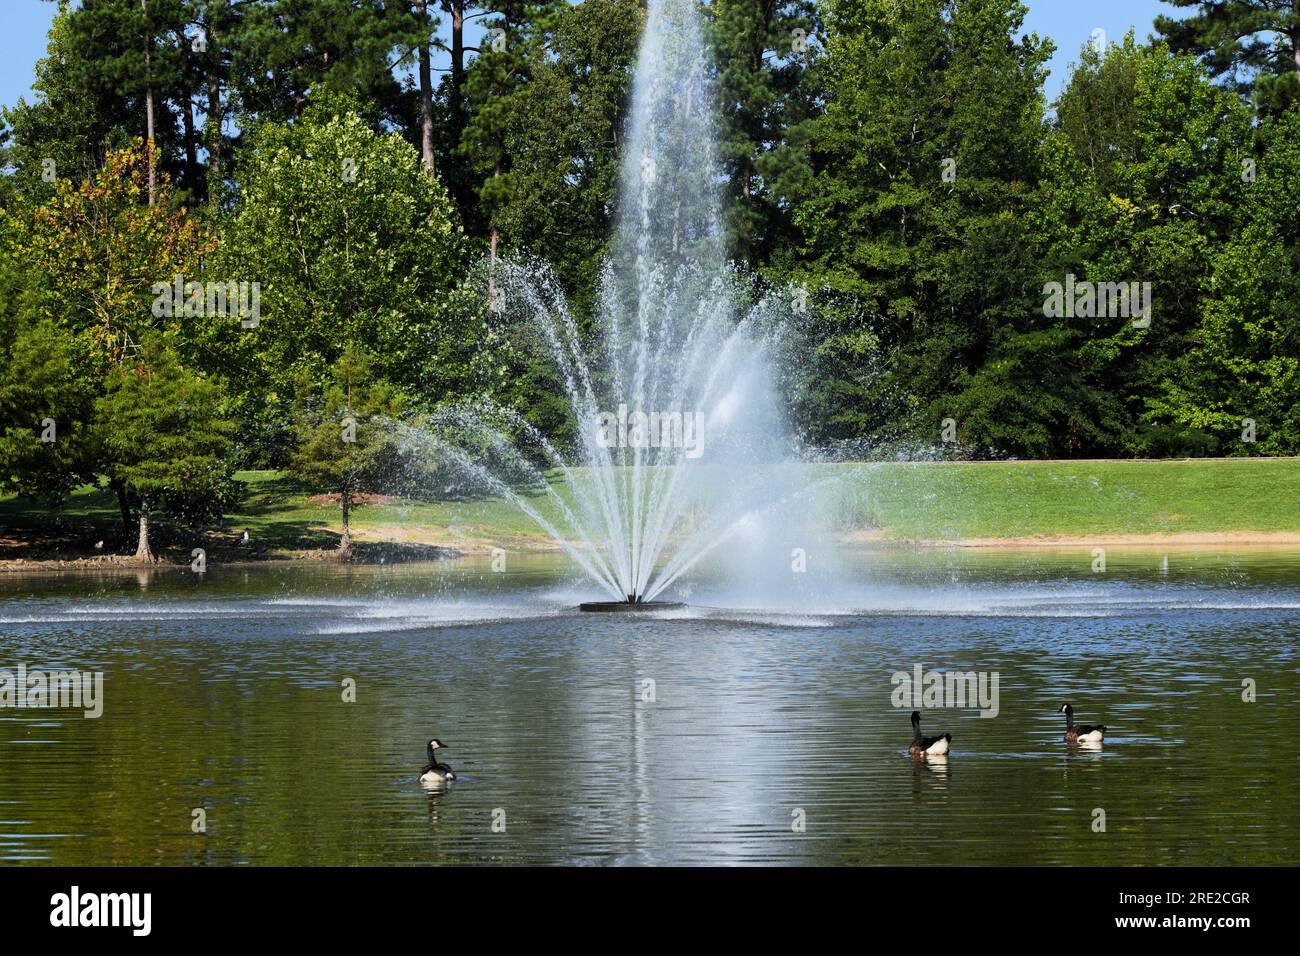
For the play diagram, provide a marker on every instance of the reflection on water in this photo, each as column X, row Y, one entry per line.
column 697, row 736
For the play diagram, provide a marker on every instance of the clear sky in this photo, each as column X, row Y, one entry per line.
column 1070, row 24
column 23, row 26
column 24, row 23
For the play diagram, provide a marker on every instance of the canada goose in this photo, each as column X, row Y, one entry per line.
column 933, row 746
column 244, row 538
column 1084, row 733
column 435, row 772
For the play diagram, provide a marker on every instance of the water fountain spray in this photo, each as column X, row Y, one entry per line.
column 681, row 444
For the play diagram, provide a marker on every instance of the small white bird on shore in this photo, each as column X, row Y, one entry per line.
column 244, row 539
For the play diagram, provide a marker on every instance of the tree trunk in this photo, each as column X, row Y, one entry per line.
column 426, row 92
column 214, row 113
column 492, row 262
column 143, row 553
column 1294, row 36
column 148, row 108
column 454, row 96
column 124, row 507
column 345, row 541
column 187, row 119
column 299, row 98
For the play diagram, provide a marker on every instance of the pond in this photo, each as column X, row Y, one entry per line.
column 732, row 731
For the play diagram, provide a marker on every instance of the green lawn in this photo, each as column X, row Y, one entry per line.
column 1013, row 499
column 922, row 501
column 276, row 509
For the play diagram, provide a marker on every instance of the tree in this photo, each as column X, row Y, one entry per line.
column 99, row 248
column 91, row 256
column 46, row 399
column 424, row 74
column 1251, row 43
column 545, row 136
column 347, row 433
column 543, row 144
column 85, row 105
column 166, row 439
column 218, row 22
column 476, row 150
column 284, row 48
column 352, row 241
column 1147, row 192
column 1239, row 382
column 911, row 215
column 765, row 55
column 457, row 11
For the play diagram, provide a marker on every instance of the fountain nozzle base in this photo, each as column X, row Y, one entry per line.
column 634, row 603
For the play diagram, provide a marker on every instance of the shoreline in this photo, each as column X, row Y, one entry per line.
column 992, row 506
column 1189, row 540
column 414, row 551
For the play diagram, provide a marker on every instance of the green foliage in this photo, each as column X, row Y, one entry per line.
column 96, row 248
column 45, row 402
column 166, row 437
column 922, row 168
column 104, row 60
column 1244, row 360
column 766, row 55
column 345, row 426
column 78, row 275
column 545, row 142
column 1144, row 199
column 1254, row 44
column 283, row 48
column 903, row 168
column 351, row 242
column 348, row 431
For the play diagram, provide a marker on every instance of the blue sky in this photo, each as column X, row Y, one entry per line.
column 1068, row 22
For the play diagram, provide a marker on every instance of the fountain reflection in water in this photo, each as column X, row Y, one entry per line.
column 681, row 445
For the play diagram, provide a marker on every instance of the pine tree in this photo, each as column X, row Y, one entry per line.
column 912, row 208
column 1254, row 44
column 765, row 54
column 283, row 48
column 95, row 91
column 545, row 140
column 495, row 84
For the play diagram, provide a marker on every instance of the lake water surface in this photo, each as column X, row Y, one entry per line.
column 770, row 738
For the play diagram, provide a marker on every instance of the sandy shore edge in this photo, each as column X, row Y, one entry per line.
column 1191, row 540
column 445, row 549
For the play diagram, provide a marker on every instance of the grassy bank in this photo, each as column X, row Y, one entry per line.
column 1009, row 500
column 1012, row 502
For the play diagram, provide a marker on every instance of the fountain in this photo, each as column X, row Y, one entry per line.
column 681, row 444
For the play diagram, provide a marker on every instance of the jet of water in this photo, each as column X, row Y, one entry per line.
column 681, row 442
